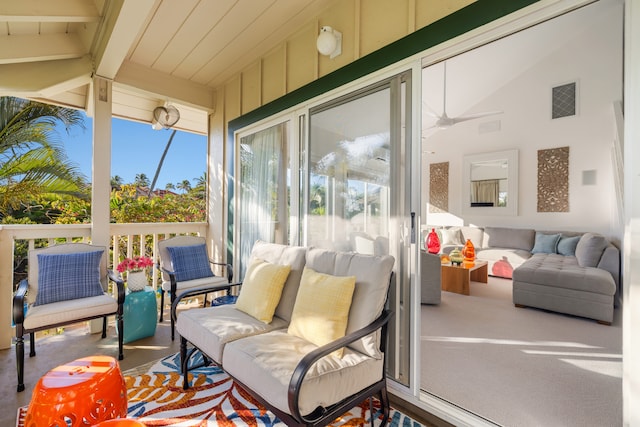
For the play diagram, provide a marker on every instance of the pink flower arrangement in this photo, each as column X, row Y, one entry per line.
column 134, row 264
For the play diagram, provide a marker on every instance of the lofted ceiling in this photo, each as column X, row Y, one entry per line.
column 154, row 51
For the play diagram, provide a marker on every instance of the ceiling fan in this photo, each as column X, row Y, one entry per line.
column 445, row 122
column 166, row 116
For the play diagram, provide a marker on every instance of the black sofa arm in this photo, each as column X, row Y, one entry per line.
column 199, row 291
column 18, row 302
column 307, row 361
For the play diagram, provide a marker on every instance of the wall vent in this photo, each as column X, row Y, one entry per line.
column 563, row 101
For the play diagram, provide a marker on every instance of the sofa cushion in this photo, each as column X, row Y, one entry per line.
column 451, row 237
column 267, row 362
column 589, row 249
column 321, row 310
column 502, row 261
column 564, row 272
column 545, row 243
column 212, row 328
column 567, row 245
column 475, row 234
column 372, row 283
column 515, row 238
column 69, row 276
column 294, row 256
column 261, row 289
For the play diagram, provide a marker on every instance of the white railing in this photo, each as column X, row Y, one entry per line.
column 131, row 235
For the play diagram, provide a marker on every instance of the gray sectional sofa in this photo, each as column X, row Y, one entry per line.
column 567, row 272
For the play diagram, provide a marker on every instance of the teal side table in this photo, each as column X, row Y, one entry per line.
column 140, row 315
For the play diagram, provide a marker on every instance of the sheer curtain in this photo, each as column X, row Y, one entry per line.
column 260, row 168
column 486, row 191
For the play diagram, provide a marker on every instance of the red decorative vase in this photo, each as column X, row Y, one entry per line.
column 469, row 251
column 433, row 243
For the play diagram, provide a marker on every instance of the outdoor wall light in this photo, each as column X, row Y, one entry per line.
column 329, row 42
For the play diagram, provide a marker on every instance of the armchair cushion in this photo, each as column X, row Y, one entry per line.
column 190, row 262
column 261, row 289
column 69, row 276
column 321, row 311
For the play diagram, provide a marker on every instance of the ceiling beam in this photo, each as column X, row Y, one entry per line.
column 29, row 80
column 32, row 48
column 140, row 78
column 124, row 20
column 48, row 11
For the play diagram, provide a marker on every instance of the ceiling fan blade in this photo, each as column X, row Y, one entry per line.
column 475, row 116
column 428, row 111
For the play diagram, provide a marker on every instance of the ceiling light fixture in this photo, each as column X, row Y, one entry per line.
column 329, row 42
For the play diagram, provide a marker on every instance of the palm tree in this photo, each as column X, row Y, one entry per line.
column 116, row 182
column 32, row 158
column 200, row 189
column 169, row 186
column 185, row 185
column 164, row 154
column 141, row 180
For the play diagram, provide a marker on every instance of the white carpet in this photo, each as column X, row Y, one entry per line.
column 521, row 366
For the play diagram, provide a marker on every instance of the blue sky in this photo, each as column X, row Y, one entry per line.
column 136, row 148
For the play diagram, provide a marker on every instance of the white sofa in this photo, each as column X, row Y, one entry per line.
column 298, row 380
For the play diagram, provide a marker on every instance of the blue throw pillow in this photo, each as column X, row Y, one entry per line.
column 545, row 243
column 567, row 245
column 63, row 277
column 190, row 262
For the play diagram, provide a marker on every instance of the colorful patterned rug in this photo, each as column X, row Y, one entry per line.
column 156, row 398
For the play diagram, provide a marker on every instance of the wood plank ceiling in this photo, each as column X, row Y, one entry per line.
column 154, row 51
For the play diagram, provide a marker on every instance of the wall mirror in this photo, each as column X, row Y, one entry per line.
column 490, row 183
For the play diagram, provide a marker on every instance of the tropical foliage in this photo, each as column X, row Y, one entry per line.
column 32, row 158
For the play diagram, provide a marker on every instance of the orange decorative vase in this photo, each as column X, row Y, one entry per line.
column 469, row 251
column 433, row 243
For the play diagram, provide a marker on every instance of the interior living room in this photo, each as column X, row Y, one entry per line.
column 244, row 68
column 479, row 351
column 509, row 105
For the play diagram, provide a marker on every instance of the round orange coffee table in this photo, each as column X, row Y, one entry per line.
column 80, row 393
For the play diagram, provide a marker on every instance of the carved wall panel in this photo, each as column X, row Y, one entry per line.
column 439, row 187
column 553, row 180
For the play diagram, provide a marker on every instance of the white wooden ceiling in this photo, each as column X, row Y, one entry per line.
column 154, row 51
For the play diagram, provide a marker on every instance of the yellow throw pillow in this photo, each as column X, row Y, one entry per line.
column 261, row 289
column 321, row 311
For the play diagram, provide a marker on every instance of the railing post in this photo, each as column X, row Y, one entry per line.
column 6, row 288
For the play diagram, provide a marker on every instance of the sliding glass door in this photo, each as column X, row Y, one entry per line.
column 357, row 192
column 263, row 190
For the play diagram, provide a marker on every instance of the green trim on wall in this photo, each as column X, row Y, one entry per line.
column 475, row 15
column 464, row 20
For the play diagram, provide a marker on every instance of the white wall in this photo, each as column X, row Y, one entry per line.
column 512, row 76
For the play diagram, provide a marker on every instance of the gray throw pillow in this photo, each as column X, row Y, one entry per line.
column 545, row 243
column 589, row 249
